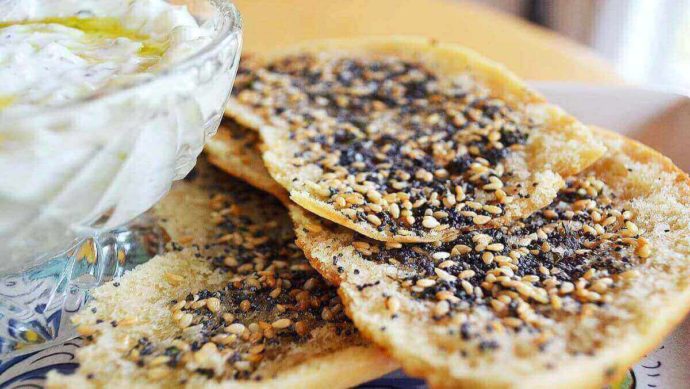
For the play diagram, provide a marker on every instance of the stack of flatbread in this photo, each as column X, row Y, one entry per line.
column 428, row 211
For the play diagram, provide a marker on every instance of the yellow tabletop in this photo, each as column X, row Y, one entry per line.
column 532, row 52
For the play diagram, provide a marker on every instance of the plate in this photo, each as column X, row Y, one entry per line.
column 658, row 118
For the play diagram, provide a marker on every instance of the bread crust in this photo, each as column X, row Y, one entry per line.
column 561, row 148
column 327, row 358
column 656, row 189
column 667, row 300
column 235, row 150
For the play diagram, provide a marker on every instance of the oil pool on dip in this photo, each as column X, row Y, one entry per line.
column 52, row 52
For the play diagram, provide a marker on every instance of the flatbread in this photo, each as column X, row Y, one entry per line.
column 648, row 297
column 569, row 297
column 233, row 304
column 407, row 140
column 236, row 150
column 592, row 343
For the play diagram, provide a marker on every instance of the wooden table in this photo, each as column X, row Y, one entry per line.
column 532, row 52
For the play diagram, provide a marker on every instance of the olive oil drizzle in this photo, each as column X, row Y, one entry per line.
column 5, row 101
column 101, row 28
column 96, row 29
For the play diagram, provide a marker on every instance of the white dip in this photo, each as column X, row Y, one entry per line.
column 55, row 51
column 80, row 153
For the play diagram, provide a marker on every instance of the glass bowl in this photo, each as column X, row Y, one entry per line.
column 74, row 177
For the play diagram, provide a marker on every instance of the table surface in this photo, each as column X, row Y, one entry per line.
column 530, row 51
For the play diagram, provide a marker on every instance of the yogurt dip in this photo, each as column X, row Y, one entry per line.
column 103, row 103
column 52, row 52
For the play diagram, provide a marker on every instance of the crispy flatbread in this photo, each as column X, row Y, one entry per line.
column 233, row 304
column 551, row 317
column 570, row 297
column 235, row 150
column 407, row 140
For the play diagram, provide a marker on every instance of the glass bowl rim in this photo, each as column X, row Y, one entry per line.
column 229, row 13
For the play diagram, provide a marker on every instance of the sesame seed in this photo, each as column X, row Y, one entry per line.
column 213, row 304
column 301, row 328
column 492, row 209
column 223, row 339
column 361, row 245
column 556, row 302
column 498, row 306
column 441, row 255
column 460, row 249
column 481, row 219
column 179, row 305
column 512, row 322
column 185, row 321
column 643, row 248
column 393, row 245
column 441, row 308
column 530, row 278
column 373, row 219
column 394, row 210
column 467, row 287
column 550, row 214
column 589, row 230
column 589, row 274
column 198, row 304
column 375, row 208
column 493, row 186
column 275, row 293
column 281, row 324
column 177, row 315
column 228, row 317
column 430, row 222
column 495, row 247
column 374, row 196
column 445, row 276
column 440, row 214
column 609, row 220
column 425, row 282
column 444, row 295
column 567, row 287
column 235, row 328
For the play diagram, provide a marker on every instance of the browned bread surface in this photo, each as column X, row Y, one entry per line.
column 469, row 314
column 235, row 150
column 624, row 306
column 233, row 303
column 408, row 140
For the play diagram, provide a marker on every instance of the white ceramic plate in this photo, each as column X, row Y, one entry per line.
column 658, row 118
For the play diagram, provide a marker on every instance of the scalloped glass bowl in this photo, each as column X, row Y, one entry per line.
column 74, row 176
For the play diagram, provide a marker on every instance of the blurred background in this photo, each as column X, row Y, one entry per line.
column 588, row 41
column 646, row 41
